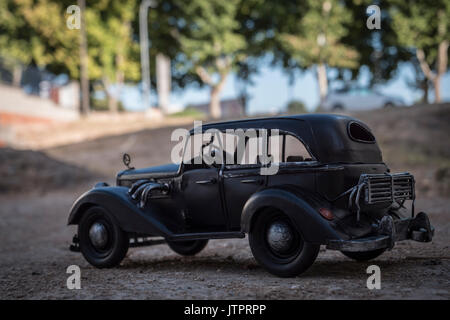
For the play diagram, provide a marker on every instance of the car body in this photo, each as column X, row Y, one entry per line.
column 357, row 99
column 331, row 188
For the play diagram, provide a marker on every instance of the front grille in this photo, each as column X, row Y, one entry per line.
column 387, row 187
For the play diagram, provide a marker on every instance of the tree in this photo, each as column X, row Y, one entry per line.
column 296, row 107
column 52, row 44
column 317, row 40
column 113, row 53
column 423, row 28
column 379, row 49
column 212, row 45
column 15, row 39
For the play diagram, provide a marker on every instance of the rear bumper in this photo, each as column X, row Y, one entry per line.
column 389, row 232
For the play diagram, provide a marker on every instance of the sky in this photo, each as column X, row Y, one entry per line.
column 271, row 90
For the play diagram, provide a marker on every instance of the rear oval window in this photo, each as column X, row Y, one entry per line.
column 358, row 133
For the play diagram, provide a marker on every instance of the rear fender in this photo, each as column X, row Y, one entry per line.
column 127, row 214
column 313, row 227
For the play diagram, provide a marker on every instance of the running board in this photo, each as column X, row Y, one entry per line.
column 144, row 242
column 206, row 235
column 136, row 241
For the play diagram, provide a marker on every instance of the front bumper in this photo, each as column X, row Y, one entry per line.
column 389, row 232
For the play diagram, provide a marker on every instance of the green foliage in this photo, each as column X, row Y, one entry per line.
column 112, row 49
column 212, row 45
column 213, row 34
column 378, row 49
column 296, row 107
column 317, row 38
column 421, row 25
column 208, row 39
column 51, row 44
column 424, row 29
column 14, row 35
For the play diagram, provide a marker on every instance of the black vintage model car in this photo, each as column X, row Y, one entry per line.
column 331, row 187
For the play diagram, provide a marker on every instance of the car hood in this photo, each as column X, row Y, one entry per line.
column 163, row 171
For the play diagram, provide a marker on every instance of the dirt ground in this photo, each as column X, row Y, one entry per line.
column 34, row 238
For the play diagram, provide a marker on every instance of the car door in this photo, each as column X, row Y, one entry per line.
column 240, row 181
column 203, row 201
column 201, row 190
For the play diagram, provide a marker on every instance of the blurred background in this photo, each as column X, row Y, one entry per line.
column 82, row 82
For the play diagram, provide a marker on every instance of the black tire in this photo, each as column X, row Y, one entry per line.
column 388, row 105
column 188, row 247
column 293, row 258
column 364, row 256
column 116, row 245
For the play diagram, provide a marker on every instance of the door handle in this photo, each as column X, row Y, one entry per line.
column 211, row 181
column 256, row 181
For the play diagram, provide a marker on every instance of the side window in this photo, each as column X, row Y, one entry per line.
column 295, row 150
column 242, row 148
column 358, row 133
column 276, row 148
column 193, row 151
column 200, row 146
column 252, row 148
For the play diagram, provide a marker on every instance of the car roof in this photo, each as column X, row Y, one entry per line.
column 309, row 117
column 325, row 135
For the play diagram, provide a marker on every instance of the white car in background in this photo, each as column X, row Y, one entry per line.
column 359, row 99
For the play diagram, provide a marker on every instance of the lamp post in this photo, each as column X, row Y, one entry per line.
column 145, row 57
column 84, row 77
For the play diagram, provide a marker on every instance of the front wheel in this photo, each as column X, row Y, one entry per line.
column 102, row 242
column 187, row 247
column 278, row 246
column 365, row 255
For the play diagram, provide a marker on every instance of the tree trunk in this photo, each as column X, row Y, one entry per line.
column 441, row 68
column 323, row 82
column 17, row 75
column 437, row 88
column 112, row 101
column 113, row 104
column 163, row 79
column 214, row 105
column 120, row 77
column 425, row 89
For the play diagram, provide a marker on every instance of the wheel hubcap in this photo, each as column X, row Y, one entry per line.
column 280, row 236
column 98, row 235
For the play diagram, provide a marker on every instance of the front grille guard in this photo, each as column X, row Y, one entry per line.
column 381, row 188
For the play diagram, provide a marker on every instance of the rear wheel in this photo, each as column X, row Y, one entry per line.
column 364, row 256
column 188, row 247
column 102, row 242
column 278, row 246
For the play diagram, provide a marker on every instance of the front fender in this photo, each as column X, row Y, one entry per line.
column 311, row 225
column 128, row 216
